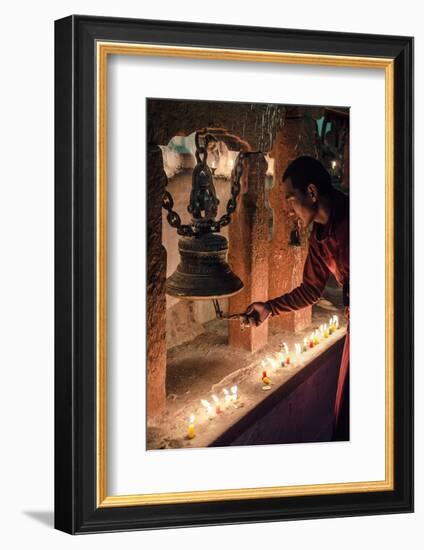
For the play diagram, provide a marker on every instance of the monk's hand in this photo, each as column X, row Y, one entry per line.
column 257, row 313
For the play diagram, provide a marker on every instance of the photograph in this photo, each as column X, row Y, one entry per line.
column 250, row 339
column 233, row 322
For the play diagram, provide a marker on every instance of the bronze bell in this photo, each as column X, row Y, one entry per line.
column 203, row 272
column 294, row 236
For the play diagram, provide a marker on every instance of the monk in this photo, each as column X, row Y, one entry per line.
column 313, row 200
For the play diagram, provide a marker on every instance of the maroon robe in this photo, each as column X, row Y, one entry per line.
column 328, row 253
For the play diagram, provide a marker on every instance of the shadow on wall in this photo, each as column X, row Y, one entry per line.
column 45, row 517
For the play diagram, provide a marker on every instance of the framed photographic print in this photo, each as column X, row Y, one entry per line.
column 234, row 274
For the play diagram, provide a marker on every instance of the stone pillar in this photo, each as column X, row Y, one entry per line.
column 248, row 252
column 156, row 277
column 286, row 262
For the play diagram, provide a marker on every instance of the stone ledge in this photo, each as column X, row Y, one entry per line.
column 202, row 374
column 290, row 424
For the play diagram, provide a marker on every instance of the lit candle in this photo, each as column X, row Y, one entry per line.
column 287, row 352
column 305, row 344
column 336, row 322
column 311, row 340
column 316, row 339
column 331, row 327
column 207, row 406
column 227, row 397
column 234, row 391
column 217, row 404
column 265, row 380
column 264, row 377
column 298, row 349
column 325, row 331
column 273, row 363
column 191, row 433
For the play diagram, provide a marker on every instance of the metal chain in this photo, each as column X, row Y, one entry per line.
column 174, row 219
column 225, row 219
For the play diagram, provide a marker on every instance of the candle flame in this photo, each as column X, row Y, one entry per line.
column 227, row 395
column 192, row 419
column 234, row 390
column 215, row 398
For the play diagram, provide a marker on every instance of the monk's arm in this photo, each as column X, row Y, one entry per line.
column 315, row 275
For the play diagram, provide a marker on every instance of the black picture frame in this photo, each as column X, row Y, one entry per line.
column 76, row 508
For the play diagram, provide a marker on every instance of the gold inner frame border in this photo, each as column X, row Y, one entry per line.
column 103, row 50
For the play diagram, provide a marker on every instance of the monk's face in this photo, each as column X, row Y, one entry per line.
column 301, row 205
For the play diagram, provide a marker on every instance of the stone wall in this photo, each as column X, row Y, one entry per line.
column 248, row 252
column 285, row 261
column 156, row 277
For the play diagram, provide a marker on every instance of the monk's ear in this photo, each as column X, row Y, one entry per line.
column 312, row 191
